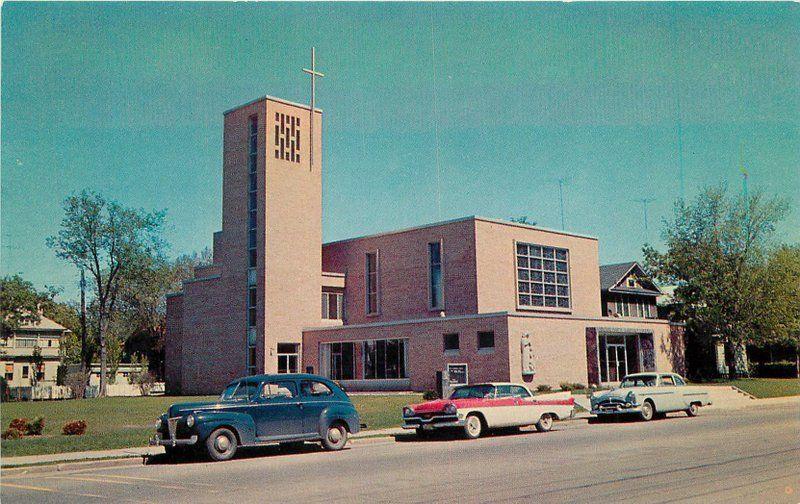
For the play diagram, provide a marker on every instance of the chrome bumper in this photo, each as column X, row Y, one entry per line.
column 157, row 441
column 433, row 422
column 619, row 410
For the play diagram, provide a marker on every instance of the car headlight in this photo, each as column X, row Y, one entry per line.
column 190, row 421
column 158, row 423
column 407, row 412
column 450, row 409
column 631, row 398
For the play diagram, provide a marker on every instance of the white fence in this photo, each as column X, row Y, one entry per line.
column 43, row 393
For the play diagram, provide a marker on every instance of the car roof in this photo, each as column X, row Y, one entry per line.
column 282, row 376
column 491, row 384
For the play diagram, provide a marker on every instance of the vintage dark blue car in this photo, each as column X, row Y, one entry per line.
column 258, row 410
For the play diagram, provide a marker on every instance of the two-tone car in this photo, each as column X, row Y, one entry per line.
column 477, row 408
column 259, row 410
column 649, row 395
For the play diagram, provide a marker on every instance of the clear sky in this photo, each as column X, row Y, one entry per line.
column 127, row 99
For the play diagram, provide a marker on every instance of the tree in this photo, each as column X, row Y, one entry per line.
column 523, row 220
column 21, row 303
column 717, row 247
column 111, row 242
column 780, row 317
column 36, row 361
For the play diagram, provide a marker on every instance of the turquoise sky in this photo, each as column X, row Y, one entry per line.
column 127, row 99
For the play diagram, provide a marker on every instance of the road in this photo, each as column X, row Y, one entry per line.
column 748, row 455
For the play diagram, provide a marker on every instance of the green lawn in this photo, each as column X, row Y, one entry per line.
column 121, row 422
column 765, row 387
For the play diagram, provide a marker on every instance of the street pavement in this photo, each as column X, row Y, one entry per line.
column 747, row 455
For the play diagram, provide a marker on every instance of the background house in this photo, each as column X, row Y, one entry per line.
column 17, row 350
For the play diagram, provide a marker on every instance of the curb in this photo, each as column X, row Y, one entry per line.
column 122, row 460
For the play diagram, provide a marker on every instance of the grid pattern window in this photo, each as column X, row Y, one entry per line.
column 332, row 306
column 288, row 357
column 372, row 282
column 436, row 286
column 287, row 137
column 341, row 361
column 385, row 359
column 26, row 343
column 542, row 276
column 252, row 251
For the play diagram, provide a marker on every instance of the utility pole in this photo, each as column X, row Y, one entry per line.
column 561, row 201
column 645, row 202
column 314, row 74
column 84, row 353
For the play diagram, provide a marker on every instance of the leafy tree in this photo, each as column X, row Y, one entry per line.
column 111, row 242
column 717, row 247
column 523, row 220
column 21, row 303
column 780, row 317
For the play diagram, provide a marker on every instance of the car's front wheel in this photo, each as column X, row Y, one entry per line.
column 545, row 423
column 648, row 411
column 335, row 437
column 693, row 410
column 221, row 444
column 473, row 427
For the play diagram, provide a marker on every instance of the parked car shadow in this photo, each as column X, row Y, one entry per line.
column 195, row 457
column 454, row 434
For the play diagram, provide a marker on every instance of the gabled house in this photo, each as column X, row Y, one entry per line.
column 626, row 291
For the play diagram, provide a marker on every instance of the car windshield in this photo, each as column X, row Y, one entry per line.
column 473, row 392
column 228, row 392
column 638, row 381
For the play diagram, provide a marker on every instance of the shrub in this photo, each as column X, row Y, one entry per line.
column 36, row 427
column 430, row 395
column 781, row 369
column 566, row 386
column 578, row 386
column 19, row 424
column 543, row 388
column 11, row 434
column 74, row 428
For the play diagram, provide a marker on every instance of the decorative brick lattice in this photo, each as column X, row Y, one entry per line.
column 287, row 137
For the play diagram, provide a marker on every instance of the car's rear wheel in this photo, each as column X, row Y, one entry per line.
column 545, row 423
column 335, row 437
column 473, row 427
column 221, row 444
column 693, row 410
column 648, row 411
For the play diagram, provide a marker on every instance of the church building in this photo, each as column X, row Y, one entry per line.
column 462, row 301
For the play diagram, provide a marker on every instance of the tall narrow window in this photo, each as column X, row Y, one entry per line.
column 372, row 282
column 435, row 287
column 252, row 249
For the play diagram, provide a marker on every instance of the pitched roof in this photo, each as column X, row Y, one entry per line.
column 44, row 324
column 612, row 274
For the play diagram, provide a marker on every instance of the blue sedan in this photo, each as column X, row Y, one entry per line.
column 259, row 410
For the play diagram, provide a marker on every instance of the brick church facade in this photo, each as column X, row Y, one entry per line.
column 471, row 299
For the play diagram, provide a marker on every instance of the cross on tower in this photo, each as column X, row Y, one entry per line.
column 314, row 74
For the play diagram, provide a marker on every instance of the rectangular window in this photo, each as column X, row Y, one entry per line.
column 288, row 357
column 24, row 371
column 372, row 282
column 485, row 339
column 341, row 361
column 332, row 305
column 435, row 286
column 450, row 341
column 385, row 359
column 251, row 360
column 542, row 276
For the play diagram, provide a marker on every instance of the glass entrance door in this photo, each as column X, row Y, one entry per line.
column 617, row 361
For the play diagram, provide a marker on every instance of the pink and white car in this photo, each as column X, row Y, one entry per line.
column 476, row 408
